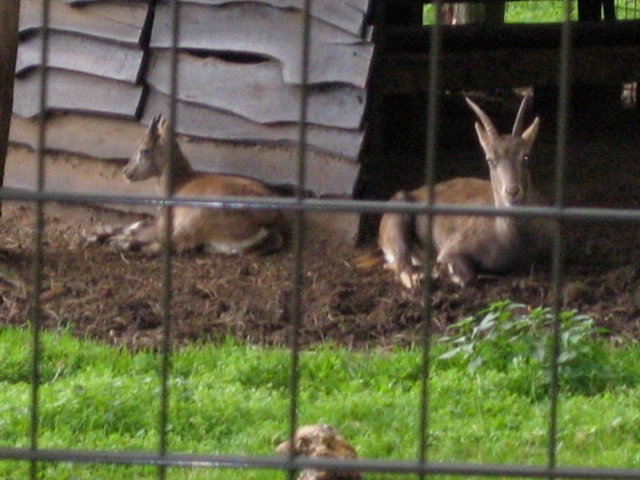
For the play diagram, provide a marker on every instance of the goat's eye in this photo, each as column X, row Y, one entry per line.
column 525, row 160
column 144, row 152
column 491, row 162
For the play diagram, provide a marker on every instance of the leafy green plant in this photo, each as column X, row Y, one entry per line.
column 508, row 334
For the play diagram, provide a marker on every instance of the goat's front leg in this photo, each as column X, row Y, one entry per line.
column 142, row 235
column 460, row 269
column 402, row 253
column 132, row 237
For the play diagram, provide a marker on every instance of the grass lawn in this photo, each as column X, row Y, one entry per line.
column 536, row 11
column 233, row 399
column 546, row 11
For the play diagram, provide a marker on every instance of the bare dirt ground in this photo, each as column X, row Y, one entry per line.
column 116, row 297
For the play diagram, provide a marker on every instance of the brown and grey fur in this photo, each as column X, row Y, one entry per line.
column 230, row 231
column 321, row 441
column 467, row 245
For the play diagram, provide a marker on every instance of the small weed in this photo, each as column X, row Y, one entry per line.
column 509, row 334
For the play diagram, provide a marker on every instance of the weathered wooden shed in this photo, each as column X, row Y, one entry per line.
column 239, row 80
column 239, row 83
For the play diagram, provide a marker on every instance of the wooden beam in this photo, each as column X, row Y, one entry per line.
column 510, row 68
column 470, row 38
column 402, row 12
column 9, row 17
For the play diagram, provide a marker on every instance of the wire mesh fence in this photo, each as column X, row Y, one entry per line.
column 539, row 11
column 163, row 458
column 628, row 10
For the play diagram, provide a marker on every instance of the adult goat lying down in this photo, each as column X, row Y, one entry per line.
column 466, row 244
column 224, row 230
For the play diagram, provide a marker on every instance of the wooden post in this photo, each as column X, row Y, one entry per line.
column 393, row 149
column 589, row 98
column 592, row 10
column 9, row 16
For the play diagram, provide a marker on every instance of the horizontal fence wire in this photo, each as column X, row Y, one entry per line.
column 127, row 458
column 333, row 205
column 164, row 459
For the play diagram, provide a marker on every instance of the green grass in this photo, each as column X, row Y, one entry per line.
column 545, row 11
column 535, row 11
column 233, row 399
column 539, row 11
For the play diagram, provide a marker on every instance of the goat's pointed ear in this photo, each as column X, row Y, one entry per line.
column 529, row 135
column 485, row 140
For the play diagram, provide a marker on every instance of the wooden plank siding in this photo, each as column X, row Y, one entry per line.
column 120, row 22
column 347, row 14
column 239, row 92
column 205, row 122
column 261, row 95
column 335, row 57
column 68, row 51
column 77, row 92
column 112, row 140
column 257, row 99
column 95, row 58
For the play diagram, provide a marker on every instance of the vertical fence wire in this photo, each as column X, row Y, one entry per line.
column 295, row 305
column 557, row 250
column 167, row 264
column 430, row 161
column 38, row 252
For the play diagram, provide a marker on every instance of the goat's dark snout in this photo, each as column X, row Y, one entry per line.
column 126, row 171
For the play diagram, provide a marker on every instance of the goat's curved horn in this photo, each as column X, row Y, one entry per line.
column 484, row 118
column 155, row 121
column 517, row 125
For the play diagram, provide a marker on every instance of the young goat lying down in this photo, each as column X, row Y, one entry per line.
column 465, row 244
column 230, row 231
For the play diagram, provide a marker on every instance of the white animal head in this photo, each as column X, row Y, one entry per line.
column 507, row 155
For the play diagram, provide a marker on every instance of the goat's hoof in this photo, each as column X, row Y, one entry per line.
column 101, row 235
column 461, row 274
column 411, row 279
column 272, row 244
column 122, row 245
